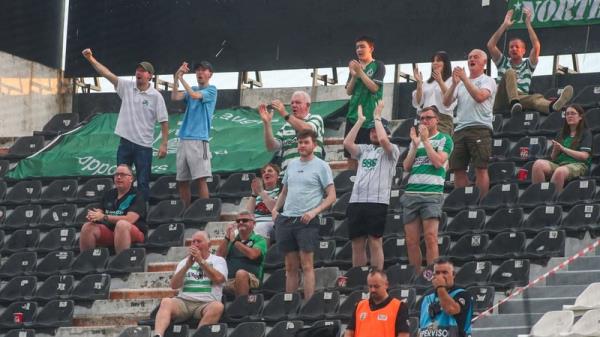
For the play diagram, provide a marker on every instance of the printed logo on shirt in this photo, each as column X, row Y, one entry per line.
column 370, row 72
column 363, row 316
column 369, row 164
column 145, row 102
column 382, row 317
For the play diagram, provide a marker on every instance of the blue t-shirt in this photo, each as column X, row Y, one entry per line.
column 198, row 114
column 306, row 182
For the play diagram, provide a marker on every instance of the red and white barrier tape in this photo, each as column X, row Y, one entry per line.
column 518, row 291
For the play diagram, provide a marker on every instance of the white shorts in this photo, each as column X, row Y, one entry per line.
column 193, row 160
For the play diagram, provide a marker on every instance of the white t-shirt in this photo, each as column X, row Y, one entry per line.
column 432, row 95
column 376, row 169
column 140, row 110
column 468, row 111
column 197, row 286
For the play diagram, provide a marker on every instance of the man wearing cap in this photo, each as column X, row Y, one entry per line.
column 141, row 107
column 367, row 210
column 193, row 152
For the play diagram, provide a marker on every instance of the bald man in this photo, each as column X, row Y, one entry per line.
column 199, row 278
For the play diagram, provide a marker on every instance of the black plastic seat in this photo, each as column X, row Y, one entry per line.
column 338, row 210
column 473, row 273
column 577, row 191
column 501, row 172
column 213, row 183
column 596, row 146
column 402, row 134
column 537, row 194
column 504, row 219
column 326, row 327
column 237, row 185
column 17, row 264
column 461, row 198
column 27, row 308
column 500, row 149
column 24, row 147
column 4, row 167
column 93, row 190
column 22, row 240
column 322, row 303
column 54, row 314
column 164, row 188
column 55, row 287
column 588, row 96
column 62, row 215
column 23, row 216
column 3, row 189
column 24, row 192
column 249, row 329
column 244, row 308
column 275, row 283
column 58, row 124
column 58, row 262
column 543, row 217
column 166, row 236
column 528, row 148
column 497, row 122
column 273, row 258
column 394, row 225
column 469, row 247
column 326, row 226
column 343, row 257
column 90, row 261
column 510, row 274
column 285, row 329
column 546, row 244
column 400, row 275
column 406, row 295
column 344, row 181
column 20, row 333
column 202, row 211
column 92, row 287
column 214, row 330
column 349, row 304
column 501, row 195
column 282, row 306
column 551, row 125
column 136, row 331
column 506, row 245
column 483, row 297
column 394, row 250
column 340, row 232
column 519, row 124
column 527, row 170
column 166, row 211
column 59, row 191
column 395, row 194
column 324, row 252
column 466, row 221
column 356, row 278
column 57, row 239
column 592, row 118
column 128, row 261
column 580, row 218
column 18, row 289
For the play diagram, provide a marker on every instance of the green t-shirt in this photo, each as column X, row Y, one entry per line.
column 584, row 145
column 424, row 177
column 236, row 260
column 363, row 96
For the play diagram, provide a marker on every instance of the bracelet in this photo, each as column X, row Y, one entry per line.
column 254, row 196
column 377, row 119
column 287, row 117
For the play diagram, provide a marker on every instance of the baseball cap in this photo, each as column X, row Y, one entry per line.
column 203, row 65
column 147, row 66
column 385, row 123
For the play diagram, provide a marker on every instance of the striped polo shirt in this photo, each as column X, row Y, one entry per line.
column 424, row 177
column 197, row 286
column 288, row 144
column 524, row 72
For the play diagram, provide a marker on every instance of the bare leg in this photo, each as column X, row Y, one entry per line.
column 122, row 236
column 559, row 177
column 168, row 309
column 460, row 178
column 202, row 188
column 482, row 180
column 430, row 233
column 211, row 314
column 540, row 170
column 308, row 271
column 292, row 264
column 185, row 194
column 90, row 233
column 376, row 248
column 359, row 252
column 412, row 232
column 242, row 283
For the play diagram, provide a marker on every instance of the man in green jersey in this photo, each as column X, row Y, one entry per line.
column 427, row 161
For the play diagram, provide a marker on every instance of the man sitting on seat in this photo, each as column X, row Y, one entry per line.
column 121, row 220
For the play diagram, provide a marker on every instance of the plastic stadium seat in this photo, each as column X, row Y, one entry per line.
column 59, row 123
column 510, row 274
column 344, row 181
column 249, row 329
column 92, row 287
column 166, row 236
column 54, row 314
column 553, row 323
column 551, row 125
column 24, row 192
column 28, row 309
column 324, row 252
column 202, row 211
column 326, row 226
column 20, row 333
column 483, row 297
column 461, row 198
column 213, row 182
column 520, row 123
column 338, row 210
column 528, row 169
column 588, row 299
column 497, row 122
column 343, row 257
column 587, row 325
column 57, row 239
column 18, row 288
column 3, row 189
column 59, row 191
column 177, row 330
column 577, row 191
column 90, row 261
column 400, row 275
column 501, row 172
column 402, row 134
column 592, row 118
column 23, row 216
column 537, row 194
column 356, row 278
column 166, row 211
column 164, row 188
column 93, row 190
column 528, row 148
column 501, row 195
column 580, row 218
column 58, row 262
column 596, row 146
column 469, row 247
column 55, row 287
column 395, row 195
column 398, row 176
column 506, row 245
column 543, row 217
column 394, row 225
column 214, row 330
column 443, row 244
column 500, row 148
column 285, row 329
column 474, row 273
column 408, row 296
column 332, row 328
column 394, row 250
column 340, row 232
column 24, row 147
column 282, row 306
column 62, row 215
column 504, row 219
column 546, row 244
column 349, row 304
column 244, row 308
column 588, row 97
column 18, row 264
column 4, row 167
column 237, row 185
column 136, row 331
column 22, row 240
column 273, row 258
column 128, row 261
column 275, row 283
column 322, row 303
column 466, row 221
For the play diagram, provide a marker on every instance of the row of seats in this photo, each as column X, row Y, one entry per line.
column 54, row 314
column 57, row 287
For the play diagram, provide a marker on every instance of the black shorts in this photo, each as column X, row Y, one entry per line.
column 292, row 235
column 361, row 138
column 366, row 219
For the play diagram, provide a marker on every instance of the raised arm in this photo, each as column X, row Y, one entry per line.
column 449, row 94
column 492, row 44
column 267, row 117
column 352, row 80
column 349, row 144
column 99, row 67
column 479, row 95
column 297, row 123
column 382, row 136
column 177, row 95
column 536, row 46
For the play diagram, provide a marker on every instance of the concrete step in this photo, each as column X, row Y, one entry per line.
column 339, row 165
column 143, row 280
column 585, row 263
column 162, row 267
column 501, row 332
column 147, row 293
column 554, row 291
column 333, row 141
column 114, row 312
column 573, row 278
column 507, row 320
column 534, row 305
column 98, row 331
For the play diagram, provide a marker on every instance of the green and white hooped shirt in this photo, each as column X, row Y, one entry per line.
column 424, row 177
column 197, row 286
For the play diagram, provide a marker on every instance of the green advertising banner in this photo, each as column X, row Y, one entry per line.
column 236, row 144
column 556, row 13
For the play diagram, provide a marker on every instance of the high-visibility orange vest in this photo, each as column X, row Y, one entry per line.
column 378, row 323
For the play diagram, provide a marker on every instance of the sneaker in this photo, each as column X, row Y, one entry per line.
column 563, row 99
column 516, row 108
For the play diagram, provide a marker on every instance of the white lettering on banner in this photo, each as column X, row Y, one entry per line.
column 559, row 12
column 96, row 167
column 240, row 120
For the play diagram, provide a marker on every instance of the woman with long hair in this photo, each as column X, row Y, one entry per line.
column 571, row 151
column 265, row 191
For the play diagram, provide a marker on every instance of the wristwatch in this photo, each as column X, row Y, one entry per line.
column 105, row 218
column 287, row 117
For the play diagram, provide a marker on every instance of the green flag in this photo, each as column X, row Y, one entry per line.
column 237, row 144
column 556, row 13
